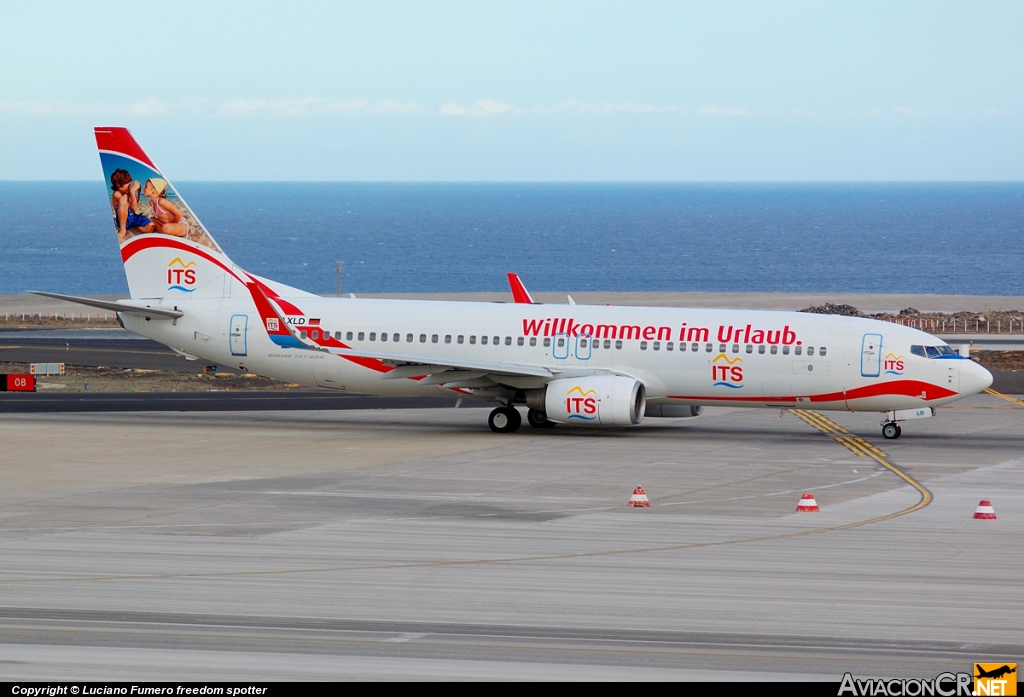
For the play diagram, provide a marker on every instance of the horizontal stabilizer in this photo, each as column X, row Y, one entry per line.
column 134, row 306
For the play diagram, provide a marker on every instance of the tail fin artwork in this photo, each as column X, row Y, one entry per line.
column 519, row 292
column 167, row 251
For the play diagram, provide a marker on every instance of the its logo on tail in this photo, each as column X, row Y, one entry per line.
column 180, row 276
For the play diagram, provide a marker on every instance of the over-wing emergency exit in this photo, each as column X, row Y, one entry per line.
column 568, row 364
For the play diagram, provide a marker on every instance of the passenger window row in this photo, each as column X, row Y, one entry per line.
column 773, row 349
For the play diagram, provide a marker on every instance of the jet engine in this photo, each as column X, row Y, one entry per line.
column 599, row 400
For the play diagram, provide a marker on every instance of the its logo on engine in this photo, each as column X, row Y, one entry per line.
column 893, row 364
column 726, row 373
column 181, row 276
column 581, row 405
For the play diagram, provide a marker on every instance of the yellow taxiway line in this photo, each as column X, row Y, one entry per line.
column 1008, row 398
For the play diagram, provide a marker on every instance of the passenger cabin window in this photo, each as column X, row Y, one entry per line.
column 785, row 350
column 348, row 336
column 459, row 339
column 337, row 336
column 735, row 348
column 520, row 341
column 483, row 340
column 695, row 347
column 798, row 350
column 373, row 336
column 607, row 343
column 447, row 338
column 821, row 351
column 423, row 338
column 396, row 337
column 710, row 347
column 760, row 348
column 302, row 333
column 433, row 338
column 668, row 346
column 472, row 338
column 547, row 341
column 775, row 350
column 810, row 350
column 315, row 334
column 361, row 335
column 508, row 341
column 408, row 338
column 497, row 340
column 721, row 348
column 618, row 343
column 383, row 336
column 533, row 341
column 561, row 342
column 583, row 343
column 750, row 348
column 682, row 345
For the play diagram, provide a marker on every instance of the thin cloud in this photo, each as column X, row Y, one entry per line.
column 715, row 110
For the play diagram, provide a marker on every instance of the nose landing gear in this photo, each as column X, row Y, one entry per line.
column 891, row 431
column 505, row 420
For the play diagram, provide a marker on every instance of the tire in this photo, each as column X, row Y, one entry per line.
column 899, row 430
column 538, row 419
column 505, row 420
column 891, row 431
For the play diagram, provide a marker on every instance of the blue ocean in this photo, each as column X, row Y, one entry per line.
column 951, row 238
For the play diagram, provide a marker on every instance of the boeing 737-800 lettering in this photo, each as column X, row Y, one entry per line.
column 569, row 364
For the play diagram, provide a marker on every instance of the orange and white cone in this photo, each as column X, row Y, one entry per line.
column 639, row 498
column 807, row 504
column 984, row 511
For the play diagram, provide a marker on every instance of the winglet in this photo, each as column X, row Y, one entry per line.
column 519, row 292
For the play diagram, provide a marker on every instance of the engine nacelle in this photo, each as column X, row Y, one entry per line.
column 599, row 400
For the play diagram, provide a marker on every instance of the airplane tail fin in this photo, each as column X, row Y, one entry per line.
column 166, row 249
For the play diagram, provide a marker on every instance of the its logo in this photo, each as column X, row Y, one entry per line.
column 893, row 364
column 583, row 405
column 725, row 372
column 181, row 275
column 995, row 679
column 273, row 324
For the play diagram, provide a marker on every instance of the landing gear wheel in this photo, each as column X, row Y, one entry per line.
column 891, row 431
column 538, row 419
column 505, row 420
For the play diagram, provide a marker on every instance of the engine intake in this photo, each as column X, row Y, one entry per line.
column 598, row 400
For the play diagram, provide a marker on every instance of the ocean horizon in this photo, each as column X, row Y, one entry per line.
column 864, row 237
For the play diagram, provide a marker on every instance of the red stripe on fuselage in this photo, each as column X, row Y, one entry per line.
column 894, row 388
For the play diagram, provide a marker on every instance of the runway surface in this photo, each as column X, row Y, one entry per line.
column 416, row 544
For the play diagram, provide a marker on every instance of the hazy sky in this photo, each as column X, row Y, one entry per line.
column 457, row 91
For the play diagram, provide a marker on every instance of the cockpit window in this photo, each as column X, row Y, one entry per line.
column 934, row 351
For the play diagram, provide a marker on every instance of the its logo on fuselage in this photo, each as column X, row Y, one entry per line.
column 581, row 405
column 181, row 276
column 726, row 373
column 893, row 364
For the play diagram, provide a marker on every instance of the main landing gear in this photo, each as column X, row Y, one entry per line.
column 891, row 431
column 505, row 420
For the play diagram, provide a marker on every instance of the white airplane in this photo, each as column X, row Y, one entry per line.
column 568, row 364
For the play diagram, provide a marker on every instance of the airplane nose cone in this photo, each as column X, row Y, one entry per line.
column 973, row 378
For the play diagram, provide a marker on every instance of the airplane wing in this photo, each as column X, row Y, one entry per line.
column 116, row 306
column 519, row 292
column 435, row 370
